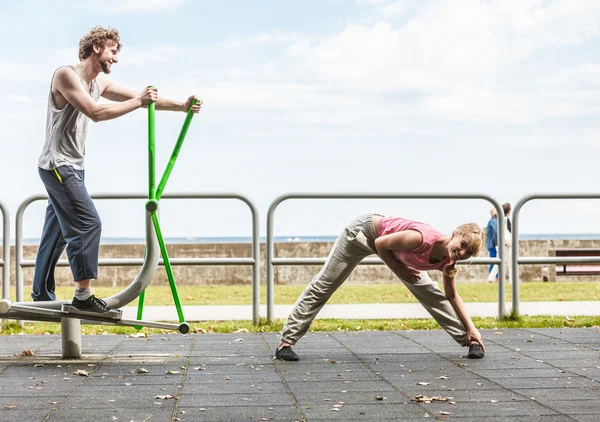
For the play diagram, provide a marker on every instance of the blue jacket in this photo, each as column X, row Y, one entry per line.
column 491, row 233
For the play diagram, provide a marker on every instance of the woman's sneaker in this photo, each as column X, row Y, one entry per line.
column 475, row 351
column 286, row 353
column 91, row 304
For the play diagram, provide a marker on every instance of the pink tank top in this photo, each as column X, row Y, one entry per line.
column 417, row 258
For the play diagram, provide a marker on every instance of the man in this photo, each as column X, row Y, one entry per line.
column 71, row 217
column 506, row 208
column 493, row 274
column 491, row 239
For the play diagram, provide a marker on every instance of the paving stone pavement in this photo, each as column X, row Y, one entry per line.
column 526, row 375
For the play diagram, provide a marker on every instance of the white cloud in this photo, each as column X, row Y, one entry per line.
column 583, row 77
column 13, row 70
column 128, row 6
column 273, row 36
column 370, row 2
column 453, row 59
column 18, row 99
column 139, row 57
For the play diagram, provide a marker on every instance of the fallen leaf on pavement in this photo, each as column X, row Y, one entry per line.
column 28, row 352
column 81, row 373
column 138, row 335
column 421, row 398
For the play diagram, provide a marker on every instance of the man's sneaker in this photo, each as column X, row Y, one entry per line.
column 286, row 353
column 475, row 351
column 91, row 304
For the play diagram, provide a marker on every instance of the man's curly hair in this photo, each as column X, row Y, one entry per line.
column 98, row 36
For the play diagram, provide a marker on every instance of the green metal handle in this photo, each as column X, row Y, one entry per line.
column 171, row 163
column 151, row 152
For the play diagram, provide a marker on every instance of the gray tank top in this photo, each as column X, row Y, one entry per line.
column 66, row 130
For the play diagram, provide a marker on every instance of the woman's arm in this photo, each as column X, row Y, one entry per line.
column 473, row 334
column 406, row 240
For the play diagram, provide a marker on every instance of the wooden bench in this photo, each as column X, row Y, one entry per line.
column 577, row 269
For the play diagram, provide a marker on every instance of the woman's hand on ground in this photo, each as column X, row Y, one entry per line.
column 473, row 335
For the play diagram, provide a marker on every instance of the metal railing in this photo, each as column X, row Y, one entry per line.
column 5, row 260
column 254, row 261
column 272, row 260
column 540, row 259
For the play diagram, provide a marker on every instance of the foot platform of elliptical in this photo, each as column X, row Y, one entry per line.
column 112, row 314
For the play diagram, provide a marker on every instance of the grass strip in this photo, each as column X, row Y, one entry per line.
column 207, row 327
column 347, row 294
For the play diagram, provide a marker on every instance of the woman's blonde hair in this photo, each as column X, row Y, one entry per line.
column 98, row 37
column 474, row 238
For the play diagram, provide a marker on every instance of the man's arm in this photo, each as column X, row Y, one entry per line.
column 114, row 92
column 67, row 83
column 405, row 240
column 473, row 334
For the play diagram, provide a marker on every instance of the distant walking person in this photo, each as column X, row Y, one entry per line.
column 506, row 208
column 71, row 217
column 409, row 249
column 493, row 275
column 491, row 236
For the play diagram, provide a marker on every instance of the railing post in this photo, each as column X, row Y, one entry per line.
column 254, row 261
column 270, row 254
column 271, row 260
column 514, row 264
column 5, row 251
column 535, row 260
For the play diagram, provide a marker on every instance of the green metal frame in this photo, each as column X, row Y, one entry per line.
column 154, row 195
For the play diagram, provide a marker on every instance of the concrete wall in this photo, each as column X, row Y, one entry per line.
column 203, row 275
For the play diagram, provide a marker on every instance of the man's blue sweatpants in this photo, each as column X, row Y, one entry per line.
column 71, row 221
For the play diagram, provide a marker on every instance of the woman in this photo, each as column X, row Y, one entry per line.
column 408, row 248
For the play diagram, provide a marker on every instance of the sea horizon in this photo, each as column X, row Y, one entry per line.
column 248, row 239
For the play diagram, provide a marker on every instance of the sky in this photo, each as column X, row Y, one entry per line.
column 500, row 97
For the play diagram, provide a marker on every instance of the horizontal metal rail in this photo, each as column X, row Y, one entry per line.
column 516, row 260
column 559, row 260
column 373, row 261
column 253, row 261
column 272, row 260
column 132, row 262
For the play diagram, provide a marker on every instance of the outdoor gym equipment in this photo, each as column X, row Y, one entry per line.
column 62, row 311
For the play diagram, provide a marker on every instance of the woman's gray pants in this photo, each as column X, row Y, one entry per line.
column 355, row 243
